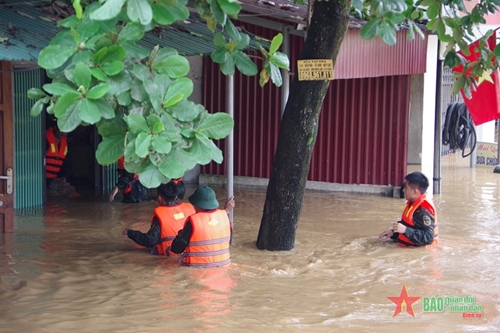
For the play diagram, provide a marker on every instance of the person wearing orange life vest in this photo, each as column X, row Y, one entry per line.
column 418, row 224
column 168, row 218
column 57, row 150
column 129, row 186
column 205, row 239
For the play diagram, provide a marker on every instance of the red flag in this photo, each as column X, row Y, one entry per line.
column 484, row 103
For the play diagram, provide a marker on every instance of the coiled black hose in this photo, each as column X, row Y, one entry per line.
column 459, row 128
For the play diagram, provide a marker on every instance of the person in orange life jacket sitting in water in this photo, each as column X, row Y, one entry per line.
column 168, row 218
column 418, row 225
column 205, row 239
column 129, row 186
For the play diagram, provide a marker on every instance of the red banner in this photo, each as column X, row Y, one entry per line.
column 484, row 103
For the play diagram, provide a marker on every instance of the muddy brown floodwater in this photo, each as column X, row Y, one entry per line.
column 67, row 269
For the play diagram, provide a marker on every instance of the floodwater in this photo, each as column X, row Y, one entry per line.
column 69, row 270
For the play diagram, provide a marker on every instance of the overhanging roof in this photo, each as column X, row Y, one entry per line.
column 26, row 29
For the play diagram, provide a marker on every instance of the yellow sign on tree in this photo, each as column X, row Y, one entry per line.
column 315, row 69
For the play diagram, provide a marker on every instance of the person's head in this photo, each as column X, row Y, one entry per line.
column 58, row 134
column 180, row 185
column 168, row 193
column 416, row 184
column 204, row 199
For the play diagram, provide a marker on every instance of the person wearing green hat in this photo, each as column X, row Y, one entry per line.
column 204, row 241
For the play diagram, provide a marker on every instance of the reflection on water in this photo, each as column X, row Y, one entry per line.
column 69, row 269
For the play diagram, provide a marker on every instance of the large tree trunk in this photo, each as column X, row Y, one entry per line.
column 298, row 130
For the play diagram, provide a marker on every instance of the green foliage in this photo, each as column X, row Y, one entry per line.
column 449, row 19
column 138, row 98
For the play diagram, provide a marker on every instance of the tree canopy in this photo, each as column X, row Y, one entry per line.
column 139, row 98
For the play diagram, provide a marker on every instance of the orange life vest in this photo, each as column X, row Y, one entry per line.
column 171, row 219
column 407, row 219
column 209, row 242
column 55, row 154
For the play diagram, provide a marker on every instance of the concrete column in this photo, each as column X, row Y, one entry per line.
column 429, row 109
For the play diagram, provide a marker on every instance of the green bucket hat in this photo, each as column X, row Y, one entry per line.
column 204, row 197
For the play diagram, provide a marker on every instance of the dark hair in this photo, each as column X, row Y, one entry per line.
column 419, row 179
column 180, row 184
column 169, row 191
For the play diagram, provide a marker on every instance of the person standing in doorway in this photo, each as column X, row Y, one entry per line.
column 56, row 170
column 418, row 224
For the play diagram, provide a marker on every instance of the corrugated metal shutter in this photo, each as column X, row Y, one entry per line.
column 362, row 134
column 29, row 142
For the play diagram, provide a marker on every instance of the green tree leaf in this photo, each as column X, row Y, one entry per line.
column 152, row 119
column 162, row 14
column 276, row 43
column 220, row 56
column 227, row 67
column 81, row 57
column 150, row 176
column 37, row 108
column 183, row 86
column 230, row 7
column 110, row 149
column 141, row 72
column 142, row 143
column 54, row 56
column 280, row 59
column 158, row 127
column 138, row 92
column 275, row 75
column 109, row 10
column 219, row 14
column 65, row 101
column 160, row 144
column 216, row 126
column 137, row 123
column 113, row 53
column 106, row 110
column 186, row 111
column 98, row 74
column 232, row 31
column 139, row 11
column 387, row 32
column 82, row 76
column 87, row 30
column 244, row 63
column 173, row 66
column 58, row 88
column 70, row 119
column 370, row 29
column 112, row 68
column 35, row 93
column 132, row 31
column 172, row 168
column 220, row 40
column 98, row 91
column 88, row 111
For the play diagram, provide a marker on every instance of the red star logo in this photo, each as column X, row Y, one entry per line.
column 404, row 302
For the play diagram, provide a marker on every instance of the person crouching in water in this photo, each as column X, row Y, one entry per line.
column 168, row 218
column 205, row 239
